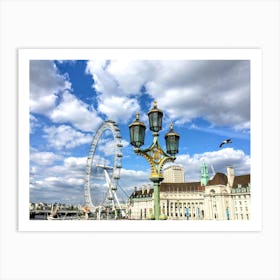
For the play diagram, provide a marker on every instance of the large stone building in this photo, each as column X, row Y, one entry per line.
column 174, row 174
column 224, row 197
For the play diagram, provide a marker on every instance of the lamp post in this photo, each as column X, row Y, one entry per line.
column 154, row 154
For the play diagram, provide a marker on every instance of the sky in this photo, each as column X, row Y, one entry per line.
column 208, row 101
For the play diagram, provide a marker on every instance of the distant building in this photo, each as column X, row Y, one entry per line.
column 224, row 197
column 174, row 174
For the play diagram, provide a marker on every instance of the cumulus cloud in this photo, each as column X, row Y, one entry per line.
column 44, row 158
column 74, row 111
column 50, row 95
column 66, row 180
column 104, row 82
column 65, row 137
column 34, row 124
column 217, row 161
column 107, row 146
column 59, row 182
column 75, row 163
column 134, row 177
column 113, row 101
column 131, row 75
column 45, row 85
column 119, row 109
column 218, row 91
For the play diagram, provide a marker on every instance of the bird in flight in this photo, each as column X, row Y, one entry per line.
column 225, row 142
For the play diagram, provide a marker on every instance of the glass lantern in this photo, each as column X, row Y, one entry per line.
column 155, row 118
column 172, row 141
column 137, row 132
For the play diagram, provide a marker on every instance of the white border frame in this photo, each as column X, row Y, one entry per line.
column 254, row 55
column 150, row 255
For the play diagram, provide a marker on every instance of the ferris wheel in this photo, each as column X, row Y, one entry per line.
column 111, row 198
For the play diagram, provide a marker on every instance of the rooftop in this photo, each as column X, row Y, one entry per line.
column 218, row 179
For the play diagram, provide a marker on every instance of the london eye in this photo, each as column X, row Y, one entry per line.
column 104, row 199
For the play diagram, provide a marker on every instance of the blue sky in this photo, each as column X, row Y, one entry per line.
column 207, row 100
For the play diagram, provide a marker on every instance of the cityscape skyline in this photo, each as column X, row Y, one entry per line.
column 207, row 100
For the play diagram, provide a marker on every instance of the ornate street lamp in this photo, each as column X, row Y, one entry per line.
column 172, row 141
column 155, row 118
column 137, row 132
column 154, row 154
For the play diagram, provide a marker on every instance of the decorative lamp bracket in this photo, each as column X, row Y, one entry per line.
column 156, row 158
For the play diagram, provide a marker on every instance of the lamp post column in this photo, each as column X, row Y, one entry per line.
column 157, row 211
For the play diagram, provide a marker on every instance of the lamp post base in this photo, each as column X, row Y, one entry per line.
column 163, row 217
column 150, row 217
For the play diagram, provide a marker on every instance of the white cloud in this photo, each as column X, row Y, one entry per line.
column 74, row 111
column 44, row 158
column 64, row 136
column 45, row 85
column 59, row 182
column 75, row 163
column 133, row 178
column 107, row 146
column 104, row 82
column 50, row 96
column 34, row 123
column 116, row 104
column 54, row 181
column 131, row 75
column 219, row 160
column 62, row 182
column 119, row 109
column 218, row 91
column 67, row 180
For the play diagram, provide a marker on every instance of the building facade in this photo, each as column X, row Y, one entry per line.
column 224, row 197
column 174, row 174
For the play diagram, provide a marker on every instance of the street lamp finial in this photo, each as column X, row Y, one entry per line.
column 155, row 104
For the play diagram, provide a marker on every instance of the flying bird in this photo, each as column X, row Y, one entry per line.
column 225, row 142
